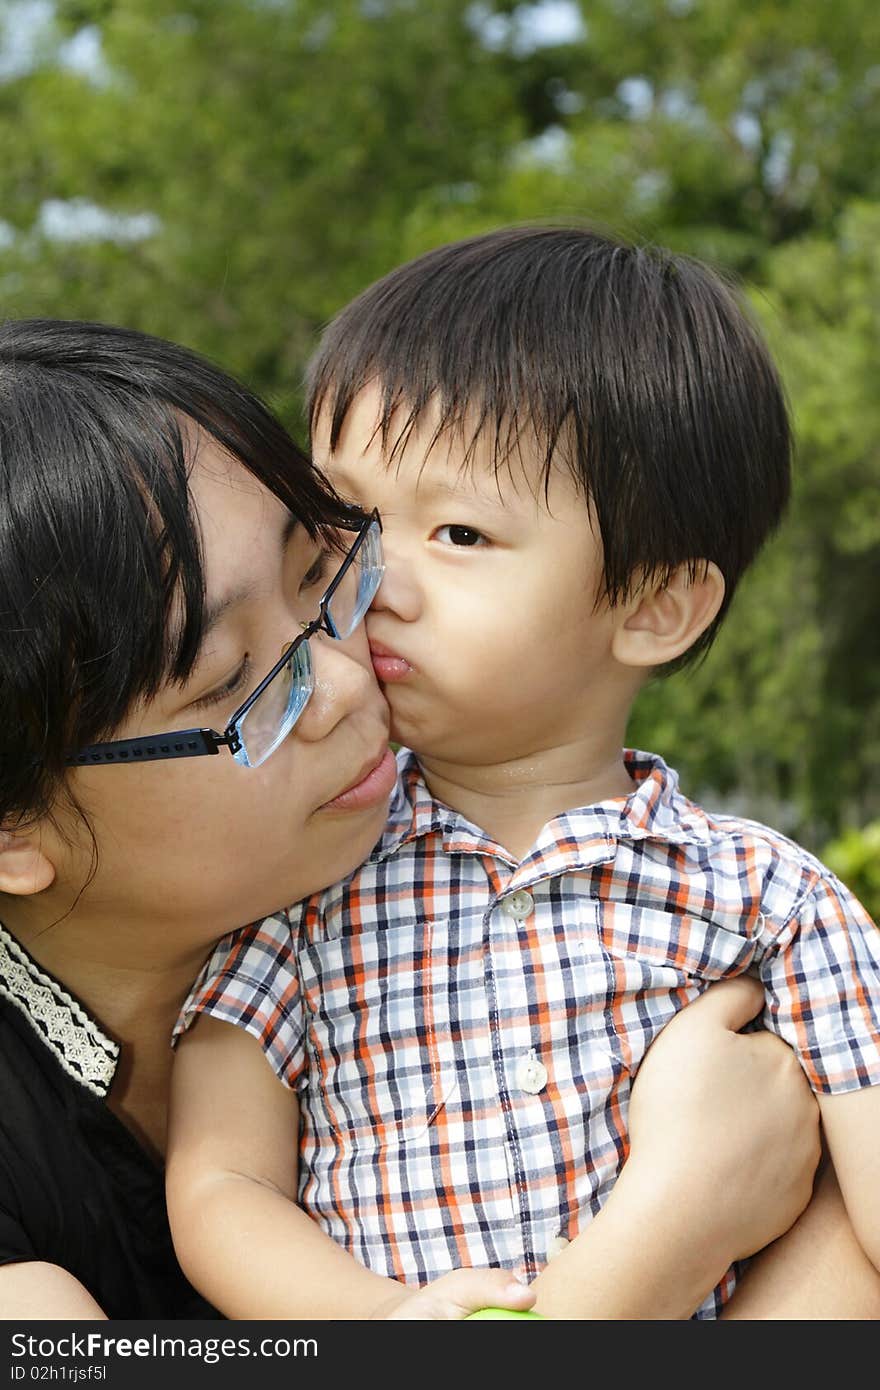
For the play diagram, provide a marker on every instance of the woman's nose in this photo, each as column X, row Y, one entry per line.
column 344, row 681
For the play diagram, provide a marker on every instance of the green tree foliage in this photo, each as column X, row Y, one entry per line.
column 855, row 858
column 229, row 172
column 277, row 145
column 787, row 706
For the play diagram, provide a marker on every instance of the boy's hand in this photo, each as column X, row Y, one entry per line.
column 456, row 1294
column 726, row 1121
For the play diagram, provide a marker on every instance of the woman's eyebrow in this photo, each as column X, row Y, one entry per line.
column 219, row 607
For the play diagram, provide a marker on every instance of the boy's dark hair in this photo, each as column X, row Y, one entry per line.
column 637, row 367
column 101, row 578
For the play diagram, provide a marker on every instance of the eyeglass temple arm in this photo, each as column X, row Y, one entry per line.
column 185, row 743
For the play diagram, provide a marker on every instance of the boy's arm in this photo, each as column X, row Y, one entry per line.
column 232, row 1185
column 724, row 1146
column 852, row 1132
column 33, row 1290
column 823, row 997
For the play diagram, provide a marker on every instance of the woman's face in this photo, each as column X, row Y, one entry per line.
column 192, row 848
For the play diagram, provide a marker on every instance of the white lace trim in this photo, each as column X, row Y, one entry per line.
column 62, row 1024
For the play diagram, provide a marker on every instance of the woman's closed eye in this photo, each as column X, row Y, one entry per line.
column 319, row 572
column 229, row 689
column 459, row 536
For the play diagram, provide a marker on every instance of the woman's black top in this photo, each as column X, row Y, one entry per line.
column 76, row 1188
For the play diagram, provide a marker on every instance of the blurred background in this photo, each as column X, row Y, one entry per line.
column 227, row 173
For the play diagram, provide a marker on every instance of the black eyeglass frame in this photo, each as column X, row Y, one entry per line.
column 199, row 743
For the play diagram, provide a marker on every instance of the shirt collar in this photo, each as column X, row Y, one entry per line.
column 655, row 809
column 62, row 1024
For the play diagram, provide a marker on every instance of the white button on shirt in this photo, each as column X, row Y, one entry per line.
column 531, row 1075
column 518, row 905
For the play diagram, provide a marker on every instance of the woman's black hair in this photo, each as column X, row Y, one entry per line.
column 101, row 576
column 637, row 367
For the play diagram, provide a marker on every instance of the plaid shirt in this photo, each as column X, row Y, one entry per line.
column 463, row 1030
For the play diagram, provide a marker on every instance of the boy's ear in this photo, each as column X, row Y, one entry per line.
column 661, row 624
column 24, row 868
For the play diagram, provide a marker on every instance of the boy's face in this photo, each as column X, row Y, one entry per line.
column 484, row 634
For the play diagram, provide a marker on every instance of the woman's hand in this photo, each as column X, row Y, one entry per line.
column 726, row 1120
column 816, row 1272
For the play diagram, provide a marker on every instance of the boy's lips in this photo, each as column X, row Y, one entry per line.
column 387, row 665
column 373, row 784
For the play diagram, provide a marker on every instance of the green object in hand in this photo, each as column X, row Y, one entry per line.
column 488, row 1314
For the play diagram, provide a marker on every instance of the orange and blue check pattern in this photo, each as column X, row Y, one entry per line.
column 463, row 1030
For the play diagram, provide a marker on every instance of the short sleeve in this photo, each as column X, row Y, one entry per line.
column 251, row 980
column 823, row 988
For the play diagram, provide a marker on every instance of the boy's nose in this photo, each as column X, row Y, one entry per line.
column 344, row 681
column 399, row 592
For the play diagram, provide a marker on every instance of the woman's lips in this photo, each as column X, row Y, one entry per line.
column 374, row 785
column 387, row 665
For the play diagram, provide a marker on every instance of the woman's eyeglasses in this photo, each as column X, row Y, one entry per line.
column 269, row 713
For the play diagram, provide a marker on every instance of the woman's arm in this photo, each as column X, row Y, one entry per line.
column 816, row 1271
column 232, row 1185
column 724, row 1138
column 43, row 1292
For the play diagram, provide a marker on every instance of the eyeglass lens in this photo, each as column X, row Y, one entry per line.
column 357, row 588
column 272, row 716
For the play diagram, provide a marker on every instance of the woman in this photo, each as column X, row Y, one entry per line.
column 161, row 542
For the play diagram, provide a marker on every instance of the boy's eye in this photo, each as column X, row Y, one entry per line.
column 460, row 536
column 228, row 689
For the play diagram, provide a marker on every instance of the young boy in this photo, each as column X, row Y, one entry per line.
column 577, row 447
